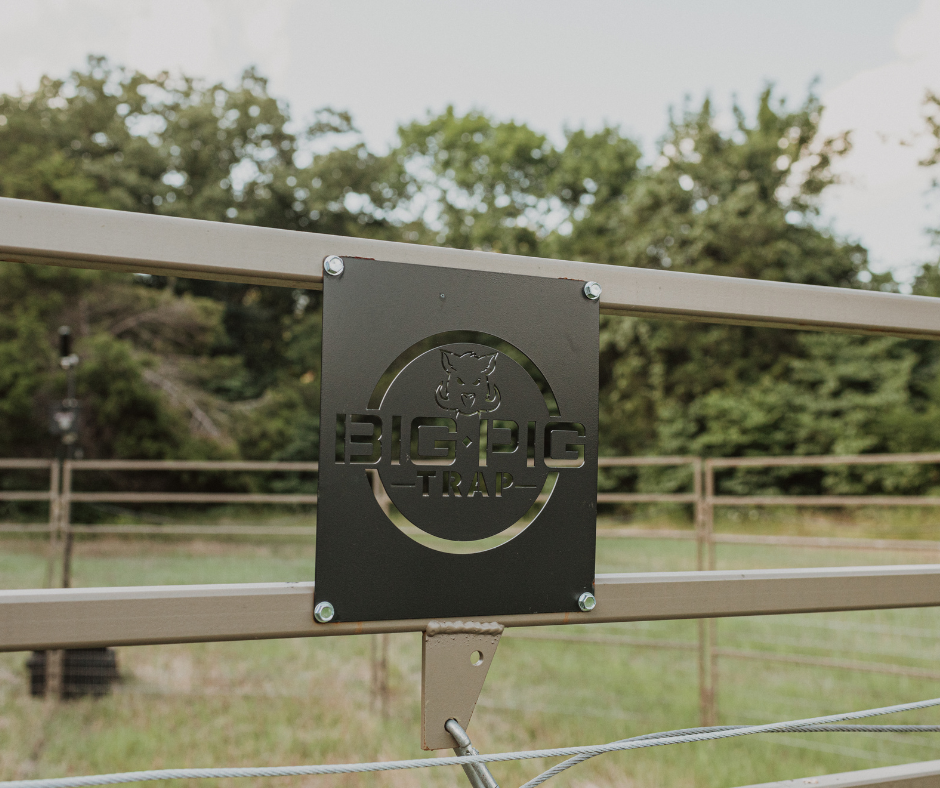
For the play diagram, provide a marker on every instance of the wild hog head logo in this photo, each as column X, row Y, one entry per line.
column 467, row 389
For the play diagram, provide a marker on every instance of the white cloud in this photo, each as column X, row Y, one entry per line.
column 389, row 62
column 884, row 201
column 214, row 39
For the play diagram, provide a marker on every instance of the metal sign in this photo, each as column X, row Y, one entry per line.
column 473, row 396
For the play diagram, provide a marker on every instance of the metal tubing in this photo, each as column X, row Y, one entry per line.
column 65, row 524
column 134, row 497
column 908, row 775
column 708, row 630
column 477, row 773
column 52, row 234
column 21, row 464
column 825, row 500
column 25, row 495
column 824, row 459
column 197, row 530
column 55, row 514
column 647, row 498
column 624, row 462
column 191, row 465
column 89, row 617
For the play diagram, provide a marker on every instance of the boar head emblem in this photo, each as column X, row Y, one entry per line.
column 467, row 389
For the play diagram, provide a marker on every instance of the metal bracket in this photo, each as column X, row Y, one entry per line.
column 455, row 658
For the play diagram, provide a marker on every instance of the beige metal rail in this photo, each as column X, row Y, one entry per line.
column 71, row 467
column 711, row 651
column 50, row 234
column 34, row 232
column 51, row 495
column 85, row 617
column 63, row 531
column 66, row 531
column 908, row 775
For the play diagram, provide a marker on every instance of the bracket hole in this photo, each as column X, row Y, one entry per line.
column 476, row 658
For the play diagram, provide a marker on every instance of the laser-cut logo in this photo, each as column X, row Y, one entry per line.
column 468, row 389
column 479, row 469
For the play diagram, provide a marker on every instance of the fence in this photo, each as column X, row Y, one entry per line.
column 61, row 618
column 702, row 497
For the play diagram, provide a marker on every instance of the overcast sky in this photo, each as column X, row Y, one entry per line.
column 550, row 64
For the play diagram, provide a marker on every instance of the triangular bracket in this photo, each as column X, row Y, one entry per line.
column 455, row 658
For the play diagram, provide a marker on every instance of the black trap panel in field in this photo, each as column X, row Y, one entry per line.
column 471, row 394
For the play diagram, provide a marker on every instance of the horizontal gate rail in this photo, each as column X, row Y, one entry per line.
column 138, row 497
column 50, row 466
column 71, row 467
column 88, row 617
column 908, row 775
column 825, row 459
column 191, row 465
column 713, row 464
column 50, row 234
column 77, row 466
column 824, row 500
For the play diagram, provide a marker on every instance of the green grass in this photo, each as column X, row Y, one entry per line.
column 297, row 701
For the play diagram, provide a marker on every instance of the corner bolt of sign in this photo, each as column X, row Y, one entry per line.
column 587, row 602
column 324, row 612
column 592, row 291
column 334, row 265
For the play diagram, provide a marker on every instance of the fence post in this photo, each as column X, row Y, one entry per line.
column 700, row 553
column 65, row 518
column 379, row 653
column 55, row 659
column 697, row 491
column 55, row 496
column 708, row 628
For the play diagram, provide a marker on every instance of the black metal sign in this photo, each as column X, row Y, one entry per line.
column 473, row 396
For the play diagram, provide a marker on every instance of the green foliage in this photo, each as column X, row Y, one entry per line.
column 175, row 367
column 475, row 183
column 111, row 138
column 728, row 204
column 127, row 336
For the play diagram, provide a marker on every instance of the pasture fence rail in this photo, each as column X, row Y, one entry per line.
column 33, row 232
column 703, row 498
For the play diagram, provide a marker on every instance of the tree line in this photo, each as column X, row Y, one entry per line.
column 177, row 368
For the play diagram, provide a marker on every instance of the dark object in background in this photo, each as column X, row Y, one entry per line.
column 65, row 342
column 87, row 671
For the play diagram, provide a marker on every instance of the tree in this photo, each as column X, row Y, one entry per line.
column 729, row 204
column 130, row 339
column 111, row 138
column 223, row 367
column 471, row 182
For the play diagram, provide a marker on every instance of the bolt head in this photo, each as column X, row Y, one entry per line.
column 334, row 265
column 324, row 612
column 592, row 290
column 587, row 602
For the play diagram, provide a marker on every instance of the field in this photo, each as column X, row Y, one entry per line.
column 296, row 701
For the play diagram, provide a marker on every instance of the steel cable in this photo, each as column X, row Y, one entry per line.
column 573, row 754
column 564, row 765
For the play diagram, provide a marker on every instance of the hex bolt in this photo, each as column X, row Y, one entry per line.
column 334, row 265
column 592, row 291
column 587, row 601
column 324, row 612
